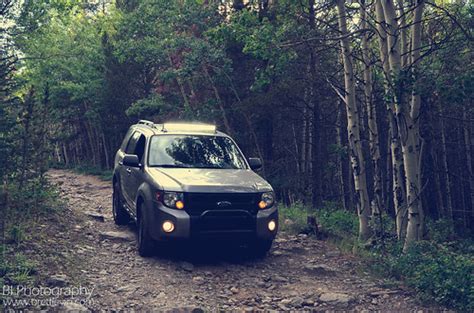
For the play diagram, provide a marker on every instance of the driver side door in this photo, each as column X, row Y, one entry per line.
column 126, row 177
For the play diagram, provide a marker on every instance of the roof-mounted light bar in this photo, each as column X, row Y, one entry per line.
column 189, row 127
column 147, row 123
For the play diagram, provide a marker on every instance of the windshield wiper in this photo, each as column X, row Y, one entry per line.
column 170, row 166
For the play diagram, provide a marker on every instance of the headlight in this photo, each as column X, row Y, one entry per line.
column 173, row 200
column 267, row 200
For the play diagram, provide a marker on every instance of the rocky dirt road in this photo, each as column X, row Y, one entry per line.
column 84, row 247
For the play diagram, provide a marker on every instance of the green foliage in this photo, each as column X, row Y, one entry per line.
column 17, row 234
column 293, row 219
column 37, row 196
column 438, row 270
column 105, row 175
column 338, row 222
column 440, row 231
column 144, row 108
column 18, row 270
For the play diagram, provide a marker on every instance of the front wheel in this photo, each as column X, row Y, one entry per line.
column 259, row 248
column 121, row 216
column 146, row 244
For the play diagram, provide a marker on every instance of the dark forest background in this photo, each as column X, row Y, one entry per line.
column 76, row 74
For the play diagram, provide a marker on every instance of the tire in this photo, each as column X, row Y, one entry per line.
column 146, row 244
column 121, row 216
column 260, row 248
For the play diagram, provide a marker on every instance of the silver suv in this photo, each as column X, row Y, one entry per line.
column 190, row 181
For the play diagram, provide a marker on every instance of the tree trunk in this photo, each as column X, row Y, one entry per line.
column 371, row 119
column 410, row 137
column 65, row 153
column 316, row 131
column 343, row 164
column 26, row 119
column 448, row 212
column 398, row 189
column 304, row 129
column 219, row 102
column 106, row 151
column 353, row 128
column 407, row 115
column 469, row 174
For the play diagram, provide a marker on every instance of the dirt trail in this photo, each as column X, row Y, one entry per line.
column 300, row 272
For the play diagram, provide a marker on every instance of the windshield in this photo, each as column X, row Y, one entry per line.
column 194, row 151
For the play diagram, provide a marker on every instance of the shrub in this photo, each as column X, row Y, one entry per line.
column 441, row 269
column 339, row 223
column 436, row 273
column 19, row 270
column 293, row 218
column 94, row 170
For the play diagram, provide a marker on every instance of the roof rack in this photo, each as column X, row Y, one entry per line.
column 147, row 123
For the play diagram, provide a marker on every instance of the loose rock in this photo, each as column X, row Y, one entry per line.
column 117, row 236
column 97, row 216
column 59, row 280
column 335, row 297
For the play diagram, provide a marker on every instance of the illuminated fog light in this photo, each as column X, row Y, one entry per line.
column 262, row 204
column 168, row 226
column 272, row 225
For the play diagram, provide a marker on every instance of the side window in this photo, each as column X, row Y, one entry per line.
column 132, row 143
column 140, row 148
column 126, row 139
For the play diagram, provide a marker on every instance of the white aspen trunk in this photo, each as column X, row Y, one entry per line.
column 407, row 116
column 353, row 128
column 398, row 189
column 411, row 143
column 404, row 38
column 393, row 44
column 371, row 118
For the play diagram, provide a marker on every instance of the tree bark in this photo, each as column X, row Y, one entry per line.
column 448, row 212
column 407, row 114
column 26, row 119
column 469, row 174
column 353, row 128
column 398, row 188
column 411, row 140
column 371, row 119
column 343, row 164
column 316, row 131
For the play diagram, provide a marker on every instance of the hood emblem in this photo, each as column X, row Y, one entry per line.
column 224, row 204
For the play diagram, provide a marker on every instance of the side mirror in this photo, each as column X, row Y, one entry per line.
column 131, row 160
column 255, row 163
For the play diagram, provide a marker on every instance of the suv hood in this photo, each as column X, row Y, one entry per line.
column 208, row 180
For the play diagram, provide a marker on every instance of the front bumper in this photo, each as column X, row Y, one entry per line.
column 218, row 224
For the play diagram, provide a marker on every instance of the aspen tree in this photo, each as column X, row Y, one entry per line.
column 407, row 113
column 353, row 128
column 398, row 189
column 371, row 117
